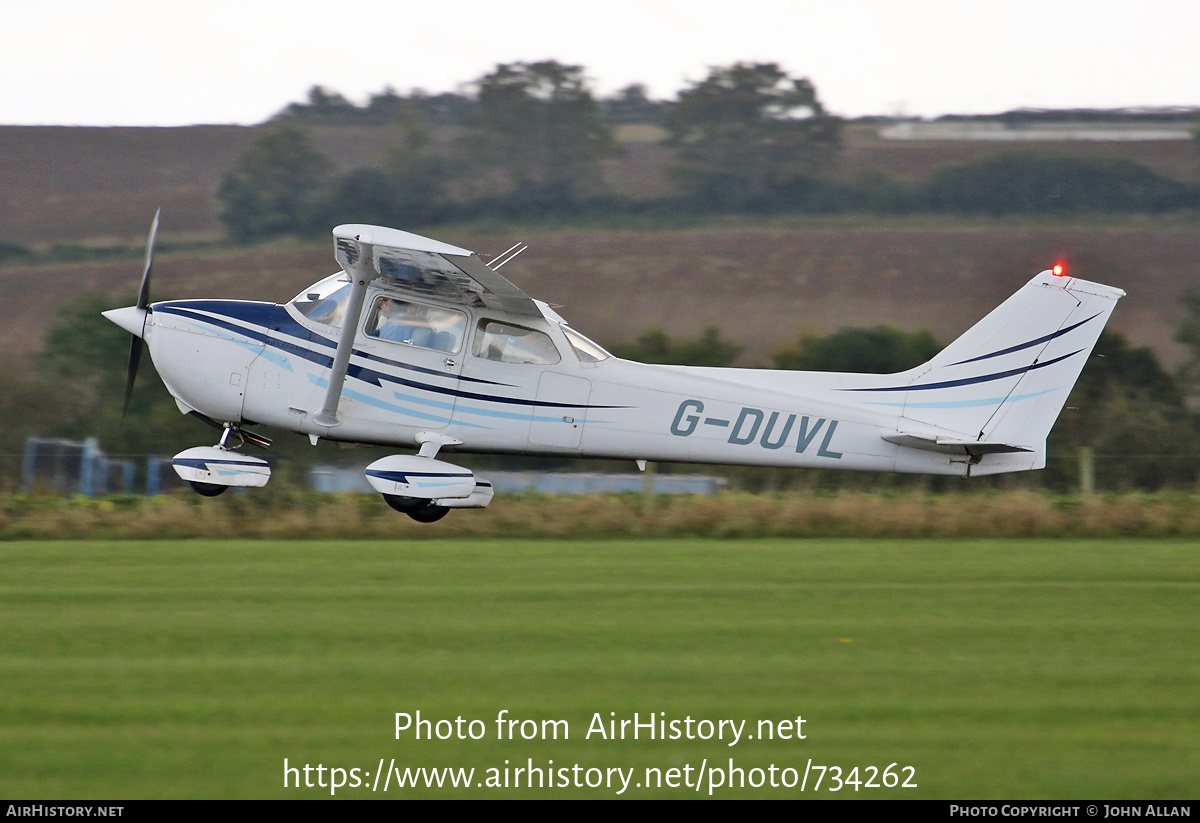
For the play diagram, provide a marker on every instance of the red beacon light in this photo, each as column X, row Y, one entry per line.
column 1059, row 270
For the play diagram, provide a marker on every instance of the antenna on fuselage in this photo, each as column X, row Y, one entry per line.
column 507, row 256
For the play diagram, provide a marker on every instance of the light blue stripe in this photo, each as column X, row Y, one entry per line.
column 259, row 348
column 461, row 409
column 382, row 404
column 966, row 404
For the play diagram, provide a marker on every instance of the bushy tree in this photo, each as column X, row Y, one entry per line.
column 83, row 350
column 1026, row 183
column 880, row 350
column 270, row 189
column 323, row 106
column 536, row 135
column 408, row 189
column 748, row 135
column 656, row 346
column 1131, row 412
column 632, row 105
column 1189, row 335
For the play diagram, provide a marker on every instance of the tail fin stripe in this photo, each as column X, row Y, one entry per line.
column 1030, row 344
column 967, row 381
column 968, row 404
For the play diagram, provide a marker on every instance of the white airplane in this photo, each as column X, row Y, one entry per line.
column 418, row 344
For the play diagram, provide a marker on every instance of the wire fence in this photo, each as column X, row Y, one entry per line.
column 51, row 466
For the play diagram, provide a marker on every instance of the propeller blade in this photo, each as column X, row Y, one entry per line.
column 135, row 357
column 144, row 292
column 143, row 301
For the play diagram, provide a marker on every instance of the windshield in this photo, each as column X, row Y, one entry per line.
column 325, row 302
column 585, row 350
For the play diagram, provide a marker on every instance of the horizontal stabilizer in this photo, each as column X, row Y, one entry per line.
column 953, row 445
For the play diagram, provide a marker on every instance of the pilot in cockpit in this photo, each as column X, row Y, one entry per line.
column 393, row 321
column 428, row 327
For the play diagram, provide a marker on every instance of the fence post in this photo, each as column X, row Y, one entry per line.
column 87, row 467
column 153, row 462
column 29, row 464
column 1087, row 470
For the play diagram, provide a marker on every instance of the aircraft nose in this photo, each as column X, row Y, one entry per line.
column 131, row 318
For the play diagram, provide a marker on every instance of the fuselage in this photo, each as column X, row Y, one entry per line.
column 514, row 384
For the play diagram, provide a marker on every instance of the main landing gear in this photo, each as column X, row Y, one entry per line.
column 424, row 488
column 419, row 509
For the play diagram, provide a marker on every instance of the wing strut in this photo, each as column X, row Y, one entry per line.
column 327, row 416
column 351, row 256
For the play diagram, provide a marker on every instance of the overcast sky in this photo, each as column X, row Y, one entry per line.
column 176, row 62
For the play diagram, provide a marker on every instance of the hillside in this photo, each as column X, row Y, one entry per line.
column 62, row 184
column 760, row 281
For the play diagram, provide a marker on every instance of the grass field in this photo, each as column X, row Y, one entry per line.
column 994, row 668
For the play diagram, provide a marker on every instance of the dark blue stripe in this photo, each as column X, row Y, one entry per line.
column 1030, row 344
column 275, row 317
column 203, row 463
column 376, row 378
column 402, row 477
column 366, row 375
column 267, row 315
column 254, row 334
column 967, row 381
column 401, row 365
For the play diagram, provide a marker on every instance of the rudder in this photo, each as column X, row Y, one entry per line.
column 1003, row 382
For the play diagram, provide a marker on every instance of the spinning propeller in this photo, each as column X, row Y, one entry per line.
column 133, row 318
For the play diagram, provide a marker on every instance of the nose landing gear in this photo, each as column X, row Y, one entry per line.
column 210, row 470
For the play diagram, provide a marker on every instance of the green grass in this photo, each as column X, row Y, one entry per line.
column 996, row 668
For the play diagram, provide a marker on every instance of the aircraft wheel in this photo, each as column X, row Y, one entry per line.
column 405, row 504
column 207, row 489
column 429, row 514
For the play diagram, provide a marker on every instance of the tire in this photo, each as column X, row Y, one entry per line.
column 405, row 504
column 206, row 489
column 429, row 514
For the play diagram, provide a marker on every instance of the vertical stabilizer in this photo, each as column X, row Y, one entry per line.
column 1004, row 381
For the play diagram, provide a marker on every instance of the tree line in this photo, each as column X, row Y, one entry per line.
column 530, row 140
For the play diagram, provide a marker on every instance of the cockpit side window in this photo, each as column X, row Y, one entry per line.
column 506, row 343
column 325, row 302
column 415, row 324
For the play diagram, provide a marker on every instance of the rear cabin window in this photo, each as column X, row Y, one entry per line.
column 506, row 343
column 414, row 324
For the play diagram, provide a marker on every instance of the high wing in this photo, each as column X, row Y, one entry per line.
column 417, row 265
column 427, row 268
